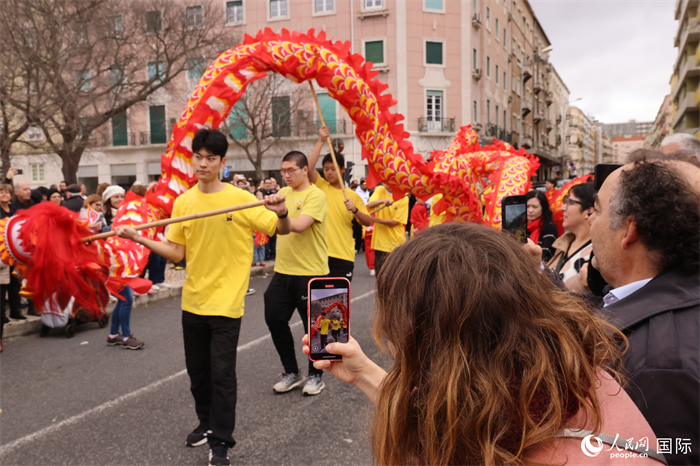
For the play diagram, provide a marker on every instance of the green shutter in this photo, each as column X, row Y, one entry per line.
column 119, row 134
column 433, row 53
column 281, row 116
column 327, row 104
column 237, row 120
column 374, row 51
column 158, row 134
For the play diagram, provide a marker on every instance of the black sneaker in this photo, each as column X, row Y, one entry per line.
column 197, row 437
column 218, row 454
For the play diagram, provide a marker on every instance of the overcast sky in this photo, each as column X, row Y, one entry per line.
column 616, row 55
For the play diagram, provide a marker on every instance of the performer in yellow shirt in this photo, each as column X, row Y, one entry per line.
column 341, row 243
column 325, row 325
column 301, row 256
column 390, row 224
column 219, row 252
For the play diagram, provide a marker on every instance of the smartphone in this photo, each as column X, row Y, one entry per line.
column 602, row 171
column 514, row 217
column 20, row 171
column 328, row 315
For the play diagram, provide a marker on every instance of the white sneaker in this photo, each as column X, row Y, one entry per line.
column 165, row 285
column 288, row 382
column 154, row 288
column 371, row 273
column 314, row 385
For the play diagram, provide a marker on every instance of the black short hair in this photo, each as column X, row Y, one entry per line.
column 553, row 181
column 657, row 196
column 338, row 157
column 297, row 157
column 584, row 192
column 546, row 212
column 212, row 140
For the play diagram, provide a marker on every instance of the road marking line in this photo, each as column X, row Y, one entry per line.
column 110, row 404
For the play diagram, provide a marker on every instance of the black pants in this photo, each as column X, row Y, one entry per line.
column 13, row 290
column 340, row 268
column 211, row 345
column 335, row 334
column 379, row 258
column 284, row 294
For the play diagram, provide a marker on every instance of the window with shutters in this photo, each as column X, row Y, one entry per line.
column 195, row 16
column 488, row 18
column 324, row 6
column 195, row 68
column 372, row 4
column 116, row 75
column 488, row 111
column 434, row 53
column 234, row 12
column 154, row 21
column 475, row 115
column 155, row 70
column 37, row 172
column 497, row 116
column 120, row 135
column 434, row 107
column 281, row 116
column 374, row 52
column 434, row 5
column 488, row 67
column 157, row 118
column 496, row 74
column 504, row 81
column 278, row 9
column 474, row 59
column 497, row 28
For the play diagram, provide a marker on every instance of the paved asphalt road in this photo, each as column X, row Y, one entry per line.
column 78, row 401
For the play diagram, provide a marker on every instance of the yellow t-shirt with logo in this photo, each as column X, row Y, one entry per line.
column 341, row 243
column 325, row 323
column 219, row 249
column 436, row 219
column 306, row 253
column 386, row 238
column 336, row 325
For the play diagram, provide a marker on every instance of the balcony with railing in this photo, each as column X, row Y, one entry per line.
column 498, row 133
column 436, row 125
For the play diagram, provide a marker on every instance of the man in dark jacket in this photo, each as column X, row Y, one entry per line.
column 646, row 240
column 23, row 197
column 74, row 200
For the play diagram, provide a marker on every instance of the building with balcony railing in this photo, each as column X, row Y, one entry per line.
column 662, row 125
column 447, row 64
column 685, row 81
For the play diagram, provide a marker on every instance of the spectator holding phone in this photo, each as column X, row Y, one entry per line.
column 645, row 232
column 573, row 249
column 497, row 370
column 540, row 227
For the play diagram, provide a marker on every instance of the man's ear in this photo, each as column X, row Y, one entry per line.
column 631, row 234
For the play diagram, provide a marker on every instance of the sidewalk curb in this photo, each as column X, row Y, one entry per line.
column 33, row 323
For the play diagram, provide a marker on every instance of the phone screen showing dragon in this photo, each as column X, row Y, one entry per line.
column 329, row 320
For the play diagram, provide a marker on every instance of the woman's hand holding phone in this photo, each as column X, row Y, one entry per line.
column 355, row 368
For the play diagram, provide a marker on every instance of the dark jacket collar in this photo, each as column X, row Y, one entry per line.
column 666, row 292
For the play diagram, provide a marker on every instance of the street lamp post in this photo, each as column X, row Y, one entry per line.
column 522, row 89
column 564, row 143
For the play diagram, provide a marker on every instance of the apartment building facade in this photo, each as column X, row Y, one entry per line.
column 685, row 81
column 661, row 127
column 447, row 63
column 581, row 143
column 630, row 128
column 624, row 145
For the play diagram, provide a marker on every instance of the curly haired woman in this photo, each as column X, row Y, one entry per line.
column 492, row 363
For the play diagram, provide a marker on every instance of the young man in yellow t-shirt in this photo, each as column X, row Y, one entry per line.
column 301, row 256
column 219, row 252
column 390, row 228
column 325, row 326
column 341, row 243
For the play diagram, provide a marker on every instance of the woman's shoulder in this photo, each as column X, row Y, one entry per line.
column 620, row 418
column 550, row 228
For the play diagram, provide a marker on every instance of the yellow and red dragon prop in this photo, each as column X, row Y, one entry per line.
column 462, row 173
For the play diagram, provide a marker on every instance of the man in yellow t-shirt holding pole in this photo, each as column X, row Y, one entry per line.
column 301, row 256
column 390, row 224
column 219, row 252
column 341, row 211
